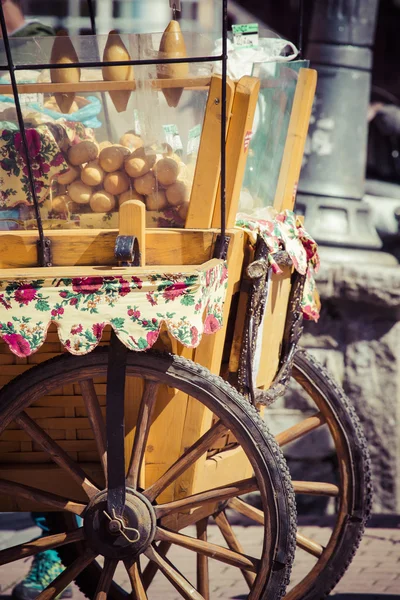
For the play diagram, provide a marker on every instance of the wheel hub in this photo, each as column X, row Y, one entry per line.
column 120, row 536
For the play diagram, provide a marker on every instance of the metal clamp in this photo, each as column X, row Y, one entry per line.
column 126, row 250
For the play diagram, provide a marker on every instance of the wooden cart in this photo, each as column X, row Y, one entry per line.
column 192, row 445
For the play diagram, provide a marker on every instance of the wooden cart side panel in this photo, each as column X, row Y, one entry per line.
column 208, row 165
column 240, row 127
column 209, row 354
column 276, row 310
column 275, row 317
column 95, row 247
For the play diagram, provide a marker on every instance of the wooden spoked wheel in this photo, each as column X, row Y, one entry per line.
column 351, row 490
column 148, row 526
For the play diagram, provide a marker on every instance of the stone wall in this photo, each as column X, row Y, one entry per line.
column 358, row 340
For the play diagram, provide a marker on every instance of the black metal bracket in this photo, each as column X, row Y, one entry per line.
column 115, row 425
column 44, row 252
column 221, row 246
column 127, row 251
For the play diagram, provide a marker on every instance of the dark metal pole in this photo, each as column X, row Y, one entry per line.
column 43, row 247
column 331, row 187
column 223, row 123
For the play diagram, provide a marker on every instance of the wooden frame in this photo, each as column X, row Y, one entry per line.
column 87, row 251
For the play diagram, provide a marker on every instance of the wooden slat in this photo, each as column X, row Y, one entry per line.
column 214, row 495
column 295, row 141
column 308, row 545
column 315, row 488
column 203, row 575
column 68, row 272
column 242, row 561
column 299, row 429
column 43, row 543
column 50, row 500
column 96, row 247
column 60, row 457
column 189, row 83
column 233, row 543
column 185, row 589
column 240, row 126
column 208, row 165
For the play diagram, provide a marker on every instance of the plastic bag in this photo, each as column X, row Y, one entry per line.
column 242, row 60
column 87, row 115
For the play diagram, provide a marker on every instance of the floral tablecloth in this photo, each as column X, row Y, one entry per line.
column 284, row 231
column 188, row 303
column 46, row 158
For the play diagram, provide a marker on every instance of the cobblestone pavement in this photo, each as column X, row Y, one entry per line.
column 374, row 573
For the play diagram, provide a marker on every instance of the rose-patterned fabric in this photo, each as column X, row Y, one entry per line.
column 46, row 159
column 188, row 303
column 284, row 231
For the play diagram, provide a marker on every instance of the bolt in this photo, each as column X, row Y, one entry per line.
column 216, row 101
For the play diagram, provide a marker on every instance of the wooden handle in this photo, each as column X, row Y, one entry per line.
column 132, row 221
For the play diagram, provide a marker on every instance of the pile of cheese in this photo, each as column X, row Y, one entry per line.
column 103, row 176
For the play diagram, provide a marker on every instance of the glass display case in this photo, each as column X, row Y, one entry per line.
column 98, row 137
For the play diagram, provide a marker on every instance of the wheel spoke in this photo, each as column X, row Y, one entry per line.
column 191, row 519
column 59, row 455
column 151, row 568
column 242, row 561
column 315, row 488
column 51, row 500
column 247, row 510
column 215, row 495
column 257, row 515
column 180, row 583
column 106, row 579
column 138, row 589
column 296, row 431
column 233, row 543
column 142, row 432
column 96, row 420
column 185, row 461
column 203, row 576
column 308, row 545
column 67, row 576
column 45, row 543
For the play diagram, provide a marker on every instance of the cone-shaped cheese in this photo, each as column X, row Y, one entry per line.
column 64, row 52
column 116, row 50
column 172, row 45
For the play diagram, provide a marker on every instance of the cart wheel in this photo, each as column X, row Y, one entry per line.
column 90, row 550
column 351, row 490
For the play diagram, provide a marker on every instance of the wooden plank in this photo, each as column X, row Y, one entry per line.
column 208, row 165
column 68, row 272
column 295, row 141
column 275, row 317
column 47, row 477
column 189, row 83
column 274, row 325
column 96, row 247
column 209, row 354
column 240, row 127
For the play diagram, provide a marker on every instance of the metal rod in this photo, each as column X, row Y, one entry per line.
column 223, row 121
column 103, row 95
column 301, row 29
column 92, row 16
column 115, row 63
column 21, row 124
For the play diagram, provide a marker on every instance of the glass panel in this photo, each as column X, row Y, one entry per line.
column 271, row 122
column 93, row 143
